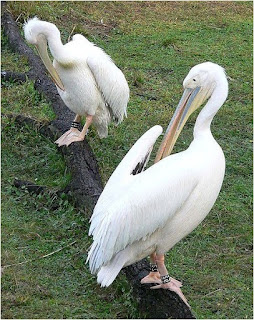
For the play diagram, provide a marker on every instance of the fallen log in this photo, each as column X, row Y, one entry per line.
column 86, row 185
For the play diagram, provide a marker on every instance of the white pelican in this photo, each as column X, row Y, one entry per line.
column 143, row 213
column 88, row 81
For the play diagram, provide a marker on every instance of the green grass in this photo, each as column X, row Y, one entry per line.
column 155, row 44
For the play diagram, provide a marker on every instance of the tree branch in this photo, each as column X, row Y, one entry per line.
column 16, row 77
column 30, row 186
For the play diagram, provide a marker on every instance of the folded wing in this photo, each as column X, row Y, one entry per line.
column 111, row 82
column 132, row 207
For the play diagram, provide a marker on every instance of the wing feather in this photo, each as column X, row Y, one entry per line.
column 150, row 201
column 111, row 82
column 136, row 208
column 120, row 179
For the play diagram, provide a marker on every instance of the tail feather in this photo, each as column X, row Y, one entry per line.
column 109, row 272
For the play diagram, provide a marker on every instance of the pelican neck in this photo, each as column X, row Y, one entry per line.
column 55, row 45
column 205, row 117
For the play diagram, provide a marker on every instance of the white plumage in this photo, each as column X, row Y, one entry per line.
column 88, row 81
column 149, row 212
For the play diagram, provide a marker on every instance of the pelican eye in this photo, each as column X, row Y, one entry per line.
column 194, row 79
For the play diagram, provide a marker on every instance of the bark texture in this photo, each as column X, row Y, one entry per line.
column 86, row 185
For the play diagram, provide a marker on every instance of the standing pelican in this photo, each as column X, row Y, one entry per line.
column 87, row 80
column 143, row 213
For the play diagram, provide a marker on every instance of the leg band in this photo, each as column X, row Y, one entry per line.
column 165, row 279
column 75, row 124
column 153, row 267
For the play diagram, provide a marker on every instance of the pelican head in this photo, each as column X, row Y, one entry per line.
column 37, row 33
column 198, row 85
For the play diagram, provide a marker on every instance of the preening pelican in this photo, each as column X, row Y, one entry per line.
column 87, row 80
column 143, row 213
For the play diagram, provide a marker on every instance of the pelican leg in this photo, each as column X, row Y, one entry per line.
column 166, row 281
column 81, row 135
column 73, row 131
column 154, row 275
